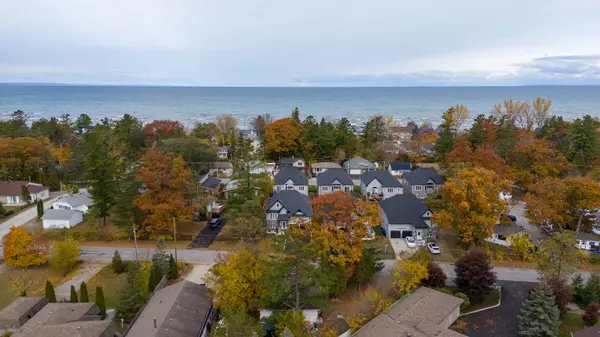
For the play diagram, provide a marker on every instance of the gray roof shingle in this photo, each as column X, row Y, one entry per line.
column 359, row 163
column 288, row 161
column 58, row 214
column 400, row 165
column 404, row 209
column 293, row 201
column 421, row 175
column 384, row 177
column 211, row 183
column 78, row 199
column 333, row 174
column 292, row 173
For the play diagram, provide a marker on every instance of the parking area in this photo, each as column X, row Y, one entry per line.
column 399, row 245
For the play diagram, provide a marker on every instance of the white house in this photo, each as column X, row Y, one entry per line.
column 223, row 152
column 258, row 168
column 357, row 166
column 290, row 178
column 61, row 218
column 321, row 167
column 588, row 241
column 334, row 180
column 285, row 208
column 312, row 316
column 379, row 183
column 79, row 202
column 501, row 233
column 298, row 163
column 221, row 169
column 11, row 192
column 233, row 186
column 398, row 168
column 404, row 215
column 423, row 182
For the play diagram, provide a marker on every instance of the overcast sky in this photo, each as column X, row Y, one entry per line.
column 300, row 42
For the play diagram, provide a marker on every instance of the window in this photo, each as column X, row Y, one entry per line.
column 390, row 190
column 418, row 187
column 301, row 188
column 272, row 216
column 325, row 188
column 347, row 188
column 283, row 224
column 13, row 200
column 289, row 187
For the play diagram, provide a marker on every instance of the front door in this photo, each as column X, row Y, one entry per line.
column 375, row 190
column 419, row 234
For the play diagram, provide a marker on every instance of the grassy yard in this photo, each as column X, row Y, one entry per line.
column 112, row 284
column 491, row 299
column 571, row 322
column 35, row 276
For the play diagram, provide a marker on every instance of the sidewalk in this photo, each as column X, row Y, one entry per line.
column 86, row 272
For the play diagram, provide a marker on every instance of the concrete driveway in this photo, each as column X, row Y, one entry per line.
column 518, row 210
column 399, row 246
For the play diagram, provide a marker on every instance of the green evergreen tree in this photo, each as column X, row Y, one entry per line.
column 2, row 210
column 75, row 189
column 173, row 272
column 83, row 293
column 539, row 316
column 368, row 265
column 118, row 266
column 161, row 257
column 73, row 295
column 132, row 298
column 25, row 194
column 154, row 277
column 50, row 295
column 40, row 209
column 100, row 302
column 296, row 114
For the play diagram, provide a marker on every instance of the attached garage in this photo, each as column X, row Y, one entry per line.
column 400, row 234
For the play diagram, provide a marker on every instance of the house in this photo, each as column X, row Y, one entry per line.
column 79, row 202
column 233, row 187
column 290, row 178
column 423, row 312
column 398, row 168
column 357, row 166
column 252, row 136
column 221, row 169
column 501, row 233
column 210, row 184
column 588, row 241
column 379, row 183
column 390, row 147
column 404, row 215
column 84, row 129
column 285, row 208
column 259, row 168
column 401, row 133
column 223, row 152
column 35, row 317
column 183, row 309
column 321, row 167
column 11, row 192
column 61, row 218
column 422, row 182
column 428, row 149
column 333, row 180
column 298, row 163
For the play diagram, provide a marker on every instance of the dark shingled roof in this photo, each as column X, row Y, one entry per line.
column 293, row 173
column 385, row 178
column 404, row 209
column 359, row 163
column 289, row 161
column 13, row 188
column 329, row 176
column 293, row 201
column 211, row 183
column 421, row 175
column 400, row 165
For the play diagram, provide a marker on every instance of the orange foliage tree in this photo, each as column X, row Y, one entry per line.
column 20, row 157
column 283, row 137
column 158, row 130
column 22, row 250
column 463, row 152
column 536, row 160
column 166, row 180
column 471, row 204
column 339, row 223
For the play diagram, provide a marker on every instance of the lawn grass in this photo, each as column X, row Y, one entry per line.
column 380, row 242
column 571, row 322
column 111, row 284
column 36, row 275
column 491, row 299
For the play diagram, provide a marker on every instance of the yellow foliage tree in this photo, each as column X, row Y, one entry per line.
column 283, row 137
column 235, row 280
column 22, row 250
column 522, row 246
column 537, row 160
column 64, row 255
column 408, row 275
column 471, row 204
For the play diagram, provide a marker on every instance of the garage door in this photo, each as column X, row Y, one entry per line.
column 395, row 234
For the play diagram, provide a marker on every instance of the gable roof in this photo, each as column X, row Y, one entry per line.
column 421, row 175
column 400, row 165
column 211, row 183
column 77, row 199
column 293, row 201
column 292, row 173
column 329, row 176
column 384, row 177
column 13, row 315
column 404, row 209
column 359, row 162
column 13, row 188
column 325, row 165
column 222, row 165
column 289, row 161
column 58, row 214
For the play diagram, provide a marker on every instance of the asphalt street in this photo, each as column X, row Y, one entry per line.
column 22, row 218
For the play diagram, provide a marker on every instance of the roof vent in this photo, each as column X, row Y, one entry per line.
column 154, row 319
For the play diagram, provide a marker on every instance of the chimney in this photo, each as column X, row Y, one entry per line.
column 154, row 319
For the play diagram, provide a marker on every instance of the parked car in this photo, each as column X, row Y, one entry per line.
column 410, row 242
column 433, row 248
column 214, row 223
column 512, row 217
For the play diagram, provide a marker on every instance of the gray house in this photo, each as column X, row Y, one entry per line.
column 287, row 207
column 404, row 215
column 357, row 166
column 379, row 184
column 423, row 182
column 298, row 163
column 290, row 178
column 333, row 180
column 398, row 168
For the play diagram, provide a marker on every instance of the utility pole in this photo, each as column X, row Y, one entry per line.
column 175, row 237
column 135, row 242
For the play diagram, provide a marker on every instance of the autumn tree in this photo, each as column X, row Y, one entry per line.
column 64, row 255
column 590, row 317
column 562, row 294
column 474, row 275
column 236, row 322
column 541, row 107
column 21, row 158
column 483, row 132
column 159, row 130
column 166, row 179
column 226, row 125
column 22, row 250
column 535, row 161
column 558, row 257
column 260, row 123
column 283, row 138
column 408, row 275
column 436, row 277
column 521, row 246
column 471, row 204
column 235, row 280
column 480, row 156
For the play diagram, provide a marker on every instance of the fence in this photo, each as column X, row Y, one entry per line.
column 159, row 286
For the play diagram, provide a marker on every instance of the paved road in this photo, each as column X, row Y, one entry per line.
column 23, row 217
column 106, row 254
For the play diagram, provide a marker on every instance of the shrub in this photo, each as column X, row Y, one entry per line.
column 64, row 255
column 100, row 302
column 562, row 294
column 312, row 189
column 83, row 293
column 118, row 266
column 474, row 275
column 437, row 278
column 173, row 270
column 464, row 297
column 590, row 318
column 73, row 298
column 154, row 277
column 50, row 294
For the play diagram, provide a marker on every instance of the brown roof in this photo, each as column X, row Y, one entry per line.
column 326, row 165
column 13, row 188
column 589, row 332
column 14, row 315
column 401, row 129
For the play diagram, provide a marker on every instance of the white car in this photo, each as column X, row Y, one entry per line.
column 433, row 248
column 410, row 242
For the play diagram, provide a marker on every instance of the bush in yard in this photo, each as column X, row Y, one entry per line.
column 64, row 255
column 154, row 277
column 117, row 266
column 132, row 298
column 173, row 272
column 474, row 275
column 562, row 294
column 73, row 298
column 50, row 295
column 100, row 302
column 75, row 189
column 539, row 315
column 464, row 297
column 40, row 208
column 590, row 318
column 584, row 295
column 83, row 293
column 437, row 278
